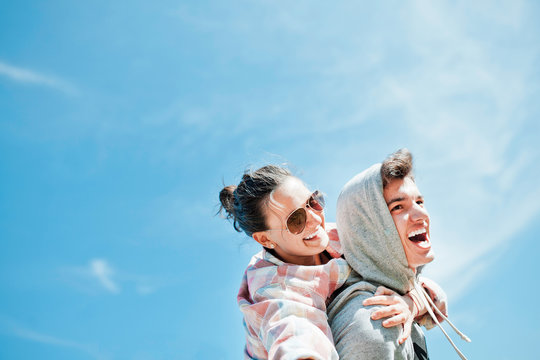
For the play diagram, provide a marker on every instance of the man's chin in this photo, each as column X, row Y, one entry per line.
column 421, row 262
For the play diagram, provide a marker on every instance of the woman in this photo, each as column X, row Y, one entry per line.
column 287, row 286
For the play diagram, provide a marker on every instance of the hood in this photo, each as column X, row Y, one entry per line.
column 371, row 244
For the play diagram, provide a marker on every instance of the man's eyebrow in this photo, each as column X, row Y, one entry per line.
column 395, row 200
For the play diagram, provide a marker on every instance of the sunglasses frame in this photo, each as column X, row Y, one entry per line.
column 317, row 196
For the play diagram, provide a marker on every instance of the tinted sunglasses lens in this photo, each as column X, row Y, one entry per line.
column 297, row 221
column 316, row 201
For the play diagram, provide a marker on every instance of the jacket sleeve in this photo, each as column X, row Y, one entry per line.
column 359, row 337
column 290, row 329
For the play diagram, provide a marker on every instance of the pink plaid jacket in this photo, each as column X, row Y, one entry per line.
column 284, row 306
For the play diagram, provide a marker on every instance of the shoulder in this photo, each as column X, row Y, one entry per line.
column 356, row 333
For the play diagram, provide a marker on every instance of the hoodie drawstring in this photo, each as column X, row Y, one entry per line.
column 428, row 303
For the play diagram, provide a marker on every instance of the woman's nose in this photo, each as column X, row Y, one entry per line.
column 313, row 215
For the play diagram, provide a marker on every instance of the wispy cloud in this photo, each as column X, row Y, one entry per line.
column 100, row 269
column 99, row 275
column 467, row 110
column 461, row 105
column 27, row 76
column 429, row 77
column 13, row 328
column 436, row 83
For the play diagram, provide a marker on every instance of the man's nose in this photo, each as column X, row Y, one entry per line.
column 419, row 213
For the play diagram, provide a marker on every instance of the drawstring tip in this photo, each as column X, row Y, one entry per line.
column 425, row 299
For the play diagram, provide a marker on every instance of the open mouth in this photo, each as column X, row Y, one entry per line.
column 418, row 236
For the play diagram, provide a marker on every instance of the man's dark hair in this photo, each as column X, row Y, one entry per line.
column 397, row 166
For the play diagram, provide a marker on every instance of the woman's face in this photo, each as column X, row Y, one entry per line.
column 303, row 247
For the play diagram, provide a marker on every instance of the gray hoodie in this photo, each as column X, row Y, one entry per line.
column 373, row 249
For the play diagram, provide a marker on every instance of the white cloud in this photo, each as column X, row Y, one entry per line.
column 13, row 328
column 99, row 275
column 100, row 269
column 26, row 76
column 465, row 109
column 460, row 100
column 95, row 277
column 145, row 289
column 456, row 78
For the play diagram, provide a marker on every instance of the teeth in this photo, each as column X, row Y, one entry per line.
column 312, row 235
column 416, row 232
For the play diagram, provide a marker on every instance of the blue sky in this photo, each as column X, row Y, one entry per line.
column 121, row 121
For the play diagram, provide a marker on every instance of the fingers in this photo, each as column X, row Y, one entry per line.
column 382, row 296
column 442, row 306
column 396, row 309
column 406, row 332
column 395, row 320
column 413, row 307
column 381, row 290
column 389, row 311
column 332, row 234
column 437, row 294
column 381, row 300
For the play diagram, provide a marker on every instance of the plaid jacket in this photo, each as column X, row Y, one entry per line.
column 284, row 306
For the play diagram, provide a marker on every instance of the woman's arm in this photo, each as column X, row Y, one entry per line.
column 290, row 329
column 399, row 309
column 405, row 309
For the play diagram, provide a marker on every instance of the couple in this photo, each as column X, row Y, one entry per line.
column 310, row 294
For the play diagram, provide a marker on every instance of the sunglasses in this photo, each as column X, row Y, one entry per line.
column 296, row 221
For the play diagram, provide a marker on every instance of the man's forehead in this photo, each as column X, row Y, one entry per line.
column 405, row 187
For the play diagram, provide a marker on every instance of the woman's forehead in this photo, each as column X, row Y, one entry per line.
column 292, row 193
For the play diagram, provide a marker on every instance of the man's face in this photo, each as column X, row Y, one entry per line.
column 406, row 205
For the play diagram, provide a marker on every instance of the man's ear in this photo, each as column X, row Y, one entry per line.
column 262, row 238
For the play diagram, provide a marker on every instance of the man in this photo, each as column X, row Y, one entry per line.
column 384, row 229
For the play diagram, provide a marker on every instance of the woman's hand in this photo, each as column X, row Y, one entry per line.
column 437, row 294
column 399, row 309
column 331, row 230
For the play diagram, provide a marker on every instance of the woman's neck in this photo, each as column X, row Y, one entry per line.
column 318, row 259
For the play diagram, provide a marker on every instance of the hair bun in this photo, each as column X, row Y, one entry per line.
column 226, row 197
column 244, row 204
